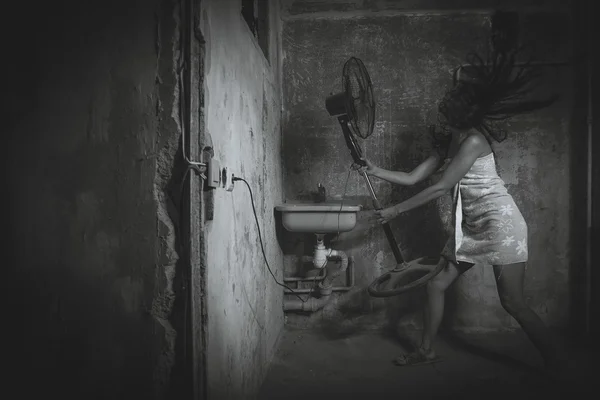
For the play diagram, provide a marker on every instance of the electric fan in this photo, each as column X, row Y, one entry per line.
column 354, row 108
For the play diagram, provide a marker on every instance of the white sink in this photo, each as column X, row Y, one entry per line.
column 327, row 217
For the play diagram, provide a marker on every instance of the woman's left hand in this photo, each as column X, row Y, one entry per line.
column 385, row 215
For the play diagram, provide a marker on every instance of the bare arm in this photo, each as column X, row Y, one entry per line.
column 421, row 172
column 469, row 150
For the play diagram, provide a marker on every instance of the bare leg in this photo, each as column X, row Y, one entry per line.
column 433, row 312
column 509, row 281
column 434, row 309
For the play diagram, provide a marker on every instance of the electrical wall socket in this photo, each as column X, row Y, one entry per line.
column 213, row 173
column 227, row 179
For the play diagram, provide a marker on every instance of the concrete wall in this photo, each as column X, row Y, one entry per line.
column 91, row 121
column 410, row 50
column 243, row 109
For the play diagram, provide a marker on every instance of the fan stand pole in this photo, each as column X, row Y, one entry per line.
column 401, row 264
column 356, row 155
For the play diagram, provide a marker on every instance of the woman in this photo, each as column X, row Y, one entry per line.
column 489, row 229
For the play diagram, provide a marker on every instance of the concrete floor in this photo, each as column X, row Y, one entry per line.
column 312, row 365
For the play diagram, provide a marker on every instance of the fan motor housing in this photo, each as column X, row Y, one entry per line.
column 336, row 104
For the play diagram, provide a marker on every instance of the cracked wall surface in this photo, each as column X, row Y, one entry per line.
column 94, row 110
column 410, row 57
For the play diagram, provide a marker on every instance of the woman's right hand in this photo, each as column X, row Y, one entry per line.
column 369, row 167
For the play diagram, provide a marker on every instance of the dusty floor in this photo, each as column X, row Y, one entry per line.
column 310, row 365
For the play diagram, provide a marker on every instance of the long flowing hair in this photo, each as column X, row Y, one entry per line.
column 496, row 87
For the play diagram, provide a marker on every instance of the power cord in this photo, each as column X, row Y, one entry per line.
column 343, row 197
column 183, row 111
column 262, row 248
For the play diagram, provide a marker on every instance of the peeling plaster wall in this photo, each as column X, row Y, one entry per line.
column 410, row 50
column 242, row 108
column 93, row 132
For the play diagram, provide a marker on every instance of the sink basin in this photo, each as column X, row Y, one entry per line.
column 327, row 217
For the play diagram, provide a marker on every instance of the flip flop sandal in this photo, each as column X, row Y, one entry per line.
column 415, row 358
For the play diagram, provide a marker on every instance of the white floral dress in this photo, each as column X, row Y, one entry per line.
column 488, row 226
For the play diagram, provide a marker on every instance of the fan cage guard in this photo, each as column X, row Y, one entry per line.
column 360, row 102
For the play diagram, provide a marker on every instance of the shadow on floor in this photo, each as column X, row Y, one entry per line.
column 310, row 365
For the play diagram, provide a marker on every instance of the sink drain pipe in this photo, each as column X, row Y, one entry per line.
column 322, row 255
column 321, row 275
